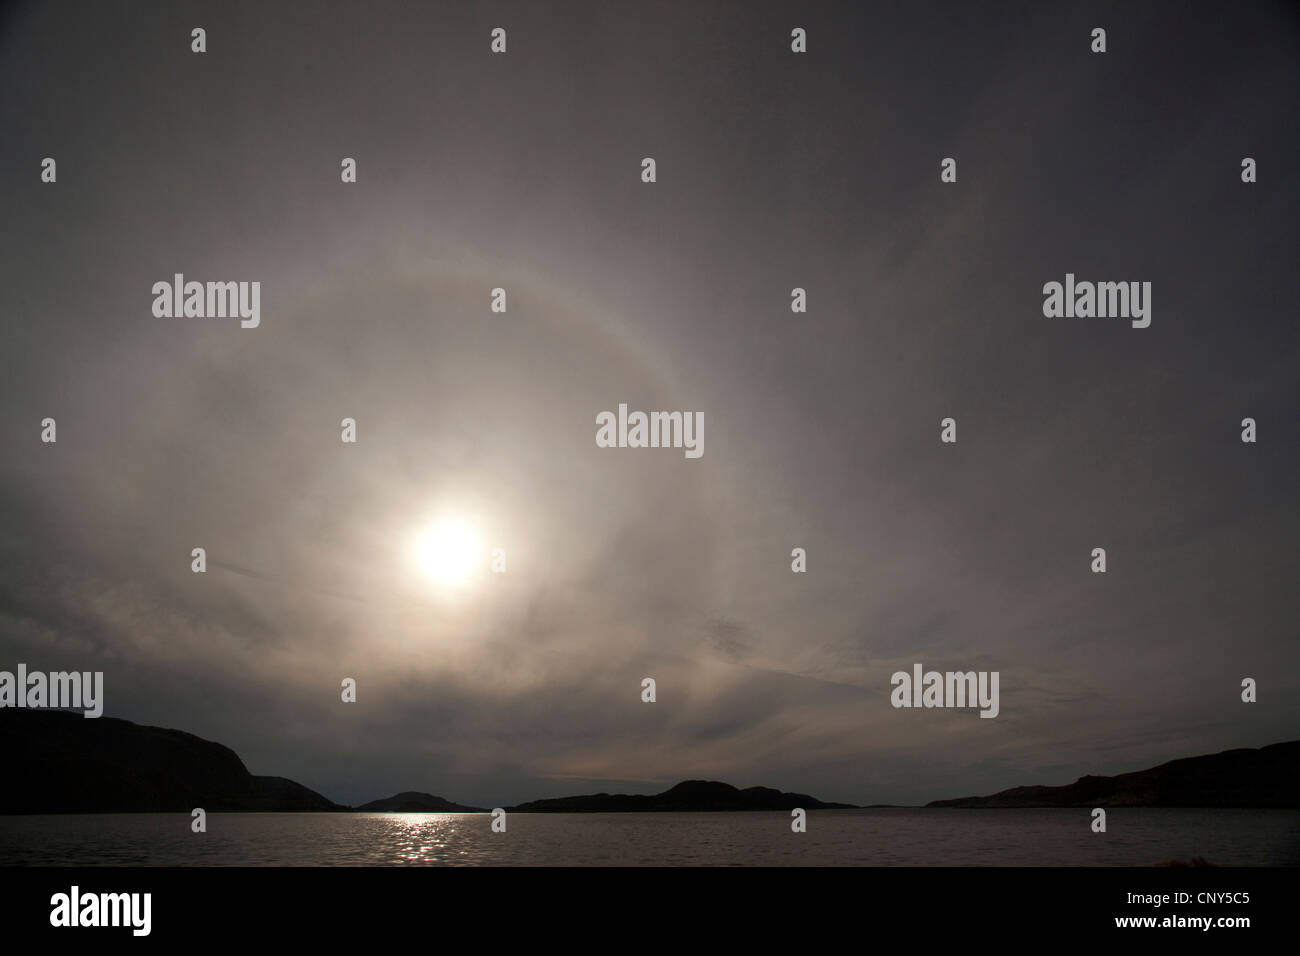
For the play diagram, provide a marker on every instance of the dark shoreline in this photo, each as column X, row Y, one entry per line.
column 108, row 765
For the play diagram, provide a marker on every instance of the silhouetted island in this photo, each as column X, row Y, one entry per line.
column 410, row 801
column 1267, row 777
column 687, row 795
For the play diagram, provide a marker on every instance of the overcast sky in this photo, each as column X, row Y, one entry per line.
column 775, row 170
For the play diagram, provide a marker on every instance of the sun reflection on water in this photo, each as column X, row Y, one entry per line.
column 421, row 837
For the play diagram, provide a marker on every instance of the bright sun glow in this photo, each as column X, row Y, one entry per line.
column 449, row 552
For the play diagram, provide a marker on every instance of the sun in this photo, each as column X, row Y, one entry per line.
column 449, row 551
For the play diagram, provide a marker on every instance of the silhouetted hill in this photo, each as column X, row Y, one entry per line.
column 70, row 764
column 1267, row 777
column 687, row 795
column 62, row 762
column 410, row 801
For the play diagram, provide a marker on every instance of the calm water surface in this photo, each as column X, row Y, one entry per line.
column 1137, row 837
